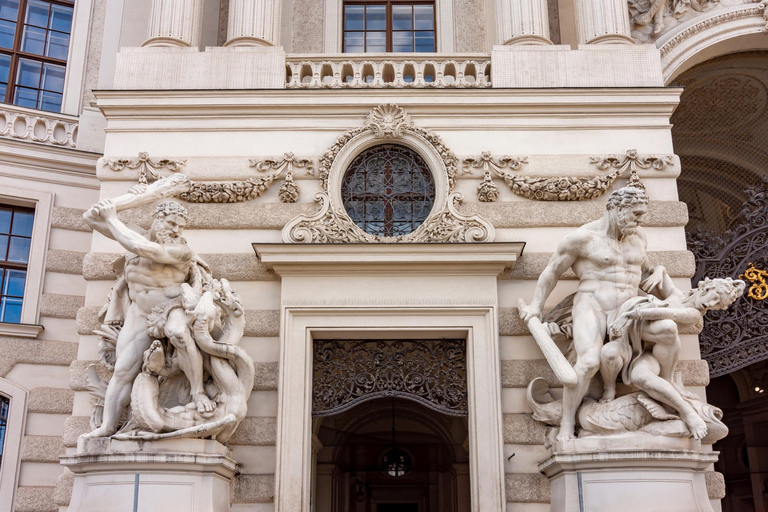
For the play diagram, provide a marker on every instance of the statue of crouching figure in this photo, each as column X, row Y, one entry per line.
column 644, row 347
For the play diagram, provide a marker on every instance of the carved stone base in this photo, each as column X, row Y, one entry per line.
column 630, row 474
column 124, row 476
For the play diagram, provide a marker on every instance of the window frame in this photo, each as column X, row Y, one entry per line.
column 14, row 432
column 42, row 203
column 16, row 54
column 333, row 26
column 389, row 29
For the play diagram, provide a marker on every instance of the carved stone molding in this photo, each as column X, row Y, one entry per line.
column 737, row 337
column 45, row 129
column 487, row 191
column 430, row 372
column 147, row 167
column 330, row 225
column 569, row 188
column 339, row 72
column 388, row 123
column 289, row 190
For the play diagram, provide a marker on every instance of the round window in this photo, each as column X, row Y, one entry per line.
column 388, row 190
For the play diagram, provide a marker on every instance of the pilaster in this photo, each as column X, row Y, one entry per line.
column 602, row 22
column 175, row 23
column 524, row 22
column 253, row 22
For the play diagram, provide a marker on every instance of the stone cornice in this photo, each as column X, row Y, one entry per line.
column 396, row 259
column 49, row 164
column 446, row 108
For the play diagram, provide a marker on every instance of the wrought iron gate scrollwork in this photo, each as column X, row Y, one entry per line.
column 348, row 372
column 738, row 336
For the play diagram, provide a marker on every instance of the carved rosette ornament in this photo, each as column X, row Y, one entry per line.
column 568, row 188
column 332, row 224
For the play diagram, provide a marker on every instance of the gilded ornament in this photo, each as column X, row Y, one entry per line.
column 756, row 276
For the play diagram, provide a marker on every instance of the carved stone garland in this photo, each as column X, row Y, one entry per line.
column 430, row 372
column 224, row 192
column 737, row 337
column 332, row 224
column 569, row 188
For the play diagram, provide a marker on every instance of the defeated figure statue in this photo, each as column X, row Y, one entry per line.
column 631, row 413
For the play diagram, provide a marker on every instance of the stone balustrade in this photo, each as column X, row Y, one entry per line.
column 382, row 70
column 33, row 125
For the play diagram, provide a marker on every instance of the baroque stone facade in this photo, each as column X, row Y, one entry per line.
column 526, row 122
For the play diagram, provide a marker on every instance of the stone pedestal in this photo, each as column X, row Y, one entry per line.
column 125, row 476
column 628, row 474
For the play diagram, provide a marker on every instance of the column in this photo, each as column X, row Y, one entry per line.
column 524, row 22
column 175, row 23
column 253, row 23
column 603, row 22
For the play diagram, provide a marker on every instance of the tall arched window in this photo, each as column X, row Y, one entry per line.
column 388, row 190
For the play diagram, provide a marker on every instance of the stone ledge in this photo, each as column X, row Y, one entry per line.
column 531, row 264
column 234, row 267
column 715, row 485
column 55, row 305
column 259, row 323
column 256, row 432
column 530, row 214
column 15, row 351
column 521, row 428
column 51, row 400
column 68, row 218
column 35, row 499
column 518, row 373
column 527, row 488
column 64, row 262
column 252, row 489
column 41, row 449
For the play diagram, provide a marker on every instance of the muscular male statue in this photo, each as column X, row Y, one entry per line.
column 609, row 258
column 157, row 263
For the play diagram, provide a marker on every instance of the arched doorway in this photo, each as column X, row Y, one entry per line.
column 721, row 135
column 391, row 454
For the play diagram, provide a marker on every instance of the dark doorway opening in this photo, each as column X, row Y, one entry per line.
column 354, row 471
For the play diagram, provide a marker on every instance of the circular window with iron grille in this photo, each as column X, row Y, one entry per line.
column 388, row 190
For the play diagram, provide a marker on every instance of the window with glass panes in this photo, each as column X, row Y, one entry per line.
column 15, row 239
column 34, row 40
column 394, row 26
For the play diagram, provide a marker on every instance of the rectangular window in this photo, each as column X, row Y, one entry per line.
column 15, row 239
column 392, row 26
column 34, row 40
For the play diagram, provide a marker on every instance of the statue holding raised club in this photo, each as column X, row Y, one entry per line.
column 177, row 362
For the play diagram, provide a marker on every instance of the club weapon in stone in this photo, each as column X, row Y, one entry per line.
column 170, row 186
column 557, row 361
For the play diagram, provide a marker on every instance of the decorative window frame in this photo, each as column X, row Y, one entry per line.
column 74, row 78
column 333, row 25
column 388, row 124
column 14, row 433
column 42, row 202
column 368, row 140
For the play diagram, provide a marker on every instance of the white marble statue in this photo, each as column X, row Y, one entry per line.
column 177, row 363
column 624, row 318
column 609, row 258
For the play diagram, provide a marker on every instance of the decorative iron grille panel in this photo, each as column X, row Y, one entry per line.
column 431, row 372
column 720, row 131
column 388, row 190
